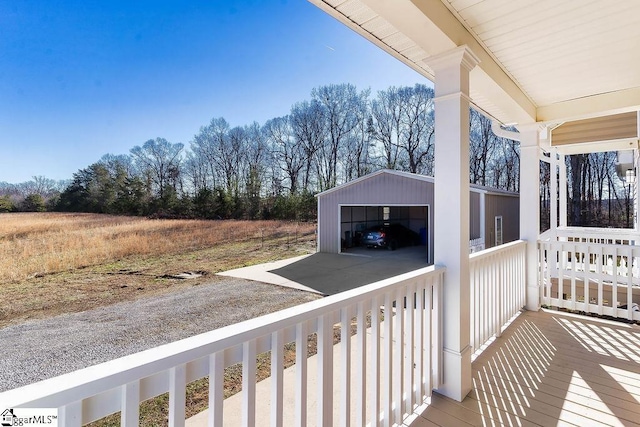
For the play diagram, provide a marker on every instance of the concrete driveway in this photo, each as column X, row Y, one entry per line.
column 330, row 274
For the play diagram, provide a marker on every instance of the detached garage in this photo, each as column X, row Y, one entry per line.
column 390, row 197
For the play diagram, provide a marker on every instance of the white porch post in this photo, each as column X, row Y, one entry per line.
column 483, row 219
column 452, row 212
column 553, row 167
column 530, row 208
column 562, row 170
column 636, row 193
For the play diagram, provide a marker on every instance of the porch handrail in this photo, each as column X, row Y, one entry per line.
column 497, row 289
column 597, row 278
column 597, row 234
column 120, row 385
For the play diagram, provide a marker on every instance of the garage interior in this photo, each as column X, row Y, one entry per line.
column 354, row 220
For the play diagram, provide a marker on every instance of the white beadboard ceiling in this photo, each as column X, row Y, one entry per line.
column 541, row 60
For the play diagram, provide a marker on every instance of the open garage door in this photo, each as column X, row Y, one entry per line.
column 356, row 219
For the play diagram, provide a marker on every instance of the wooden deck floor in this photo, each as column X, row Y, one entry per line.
column 550, row 368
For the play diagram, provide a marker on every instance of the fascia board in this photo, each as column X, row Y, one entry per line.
column 603, row 104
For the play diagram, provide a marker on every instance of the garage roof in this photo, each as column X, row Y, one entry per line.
column 473, row 187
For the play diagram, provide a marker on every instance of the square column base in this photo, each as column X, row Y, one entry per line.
column 457, row 374
column 534, row 296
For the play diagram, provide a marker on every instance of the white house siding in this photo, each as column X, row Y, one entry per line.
column 507, row 206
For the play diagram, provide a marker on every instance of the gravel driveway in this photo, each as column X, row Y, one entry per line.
column 41, row 349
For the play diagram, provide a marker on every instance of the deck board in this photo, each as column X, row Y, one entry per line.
column 550, row 368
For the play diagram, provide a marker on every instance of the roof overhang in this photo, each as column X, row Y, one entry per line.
column 607, row 133
column 546, row 62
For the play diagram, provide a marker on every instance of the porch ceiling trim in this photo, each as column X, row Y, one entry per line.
column 429, row 28
column 622, row 101
column 540, row 61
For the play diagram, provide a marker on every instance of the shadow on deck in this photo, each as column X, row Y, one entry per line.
column 550, row 368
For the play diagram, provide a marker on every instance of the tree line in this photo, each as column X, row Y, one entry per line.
column 596, row 195
column 38, row 195
column 273, row 170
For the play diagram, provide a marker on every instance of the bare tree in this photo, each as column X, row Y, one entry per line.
column 576, row 165
column 231, row 157
column 160, row 159
column 120, row 163
column 417, row 127
column 545, row 196
column 209, row 144
column 340, row 104
column 43, row 186
column 196, row 171
column 356, row 152
column 385, row 126
column 256, row 155
column 598, row 197
column 503, row 170
column 289, row 155
column 308, row 126
column 482, row 143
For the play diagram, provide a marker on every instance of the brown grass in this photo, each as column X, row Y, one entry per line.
column 63, row 263
column 44, row 243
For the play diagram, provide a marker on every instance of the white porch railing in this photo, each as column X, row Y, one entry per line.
column 497, row 289
column 607, row 236
column 396, row 364
column 476, row 245
column 591, row 277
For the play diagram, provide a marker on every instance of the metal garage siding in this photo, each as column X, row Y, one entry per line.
column 474, row 215
column 511, row 230
column 508, row 207
column 328, row 223
column 381, row 189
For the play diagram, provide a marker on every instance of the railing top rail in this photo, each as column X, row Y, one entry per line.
column 95, row 379
column 547, row 235
column 586, row 245
column 567, row 231
column 496, row 249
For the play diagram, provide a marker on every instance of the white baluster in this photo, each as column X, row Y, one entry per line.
column 622, row 270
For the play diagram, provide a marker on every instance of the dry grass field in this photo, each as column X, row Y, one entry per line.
column 53, row 263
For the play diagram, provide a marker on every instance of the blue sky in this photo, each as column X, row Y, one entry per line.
column 79, row 79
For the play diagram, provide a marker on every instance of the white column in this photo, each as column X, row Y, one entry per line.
column 451, row 202
column 483, row 220
column 562, row 170
column 530, row 208
column 553, row 176
column 636, row 193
